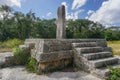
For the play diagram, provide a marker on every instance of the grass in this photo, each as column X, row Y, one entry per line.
column 115, row 45
column 20, row 56
column 32, row 65
column 8, row 45
column 115, row 74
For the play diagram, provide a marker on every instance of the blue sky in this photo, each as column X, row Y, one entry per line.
column 44, row 7
column 103, row 11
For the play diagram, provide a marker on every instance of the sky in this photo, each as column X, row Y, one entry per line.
column 106, row 12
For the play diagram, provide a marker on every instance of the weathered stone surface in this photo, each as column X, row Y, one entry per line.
column 98, row 55
column 20, row 73
column 107, row 49
column 100, row 42
column 54, row 65
column 85, row 44
column 54, row 47
column 92, row 59
column 53, row 53
column 103, row 62
column 103, row 72
column 54, row 56
column 6, row 59
column 61, row 23
column 85, row 50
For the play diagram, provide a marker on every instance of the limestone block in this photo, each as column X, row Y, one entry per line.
column 54, row 65
column 53, row 56
column 97, row 55
column 103, row 62
column 61, row 24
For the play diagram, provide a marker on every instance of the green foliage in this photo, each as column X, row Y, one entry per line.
column 21, row 57
column 44, row 29
column 115, row 74
column 112, row 34
column 82, row 28
column 27, row 25
column 12, row 43
column 32, row 65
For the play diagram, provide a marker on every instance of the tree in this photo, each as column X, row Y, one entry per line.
column 5, row 22
column 82, row 28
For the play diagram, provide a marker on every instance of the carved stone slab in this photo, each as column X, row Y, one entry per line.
column 61, row 23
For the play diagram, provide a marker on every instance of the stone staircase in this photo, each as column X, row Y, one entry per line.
column 93, row 58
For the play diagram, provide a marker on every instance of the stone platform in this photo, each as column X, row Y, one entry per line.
column 91, row 55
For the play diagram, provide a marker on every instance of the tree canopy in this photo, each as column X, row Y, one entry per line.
column 14, row 24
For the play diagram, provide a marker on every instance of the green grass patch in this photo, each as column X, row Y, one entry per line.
column 12, row 43
column 115, row 45
column 115, row 74
column 32, row 65
column 8, row 45
column 21, row 57
column 113, row 42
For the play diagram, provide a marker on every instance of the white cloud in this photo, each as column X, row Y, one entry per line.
column 1, row 16
column 72, row 15
column 90, row 12
column 11, row 2
column 78, row 3
column 49, row 14
column 108, row 13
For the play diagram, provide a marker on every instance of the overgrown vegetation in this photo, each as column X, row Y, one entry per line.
column 32, row 65
column 115, row 74
column 8, row 45
column 115, row 45
column 12, row 43
column 21, row 56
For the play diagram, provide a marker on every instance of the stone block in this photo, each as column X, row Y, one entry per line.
column 54, row 56
column 45, row 67
column 103, row 62
column 86, row 50
column 97, row 55
column 85, row 44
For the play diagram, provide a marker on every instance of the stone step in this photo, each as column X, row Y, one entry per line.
column 85, row 50
column 6, row 58
column 2, row 61
column 98, row 55
column 103, row 62
column 6, row 54
column 104, row 71
column 85, row 44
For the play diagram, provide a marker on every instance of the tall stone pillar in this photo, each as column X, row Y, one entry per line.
column 61, row 23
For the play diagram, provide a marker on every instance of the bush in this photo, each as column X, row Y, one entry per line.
column 12, row 43
column 32, row 65
column 115, row 74
column 21, row 57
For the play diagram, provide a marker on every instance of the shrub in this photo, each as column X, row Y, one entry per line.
column 12, row 43
column 21, row 57
column 32, row 65
column 115, row 74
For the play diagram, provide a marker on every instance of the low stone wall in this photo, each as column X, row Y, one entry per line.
column 52, row 54
column 51, row 66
